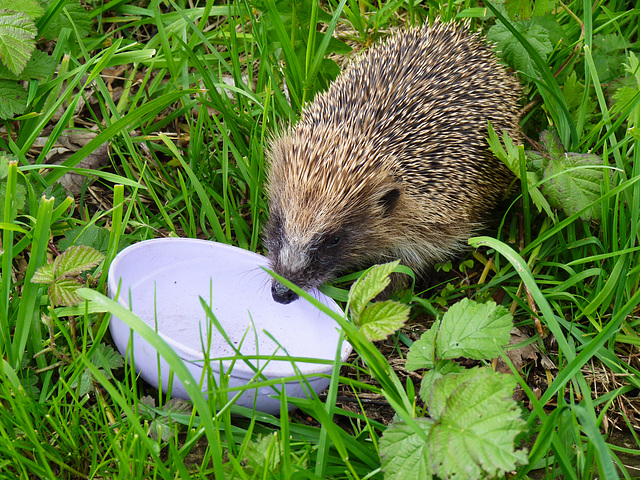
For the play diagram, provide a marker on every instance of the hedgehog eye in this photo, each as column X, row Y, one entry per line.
column 334, row 241
column 389, row 200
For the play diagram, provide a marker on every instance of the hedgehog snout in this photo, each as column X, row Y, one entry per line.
column 290, row 261
column 282, row 294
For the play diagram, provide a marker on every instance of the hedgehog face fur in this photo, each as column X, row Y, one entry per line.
column 392, row 161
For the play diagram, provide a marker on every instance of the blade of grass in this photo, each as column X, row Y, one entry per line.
column 547, row 86
column 28, row 320
column 122, row 125
column 9, row 214
column 176, row 364
column 204, row 198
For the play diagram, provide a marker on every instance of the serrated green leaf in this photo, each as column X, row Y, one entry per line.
column 369, row 286
column 543, row 7
column 31, row 8
column 147, row 401
column 4, row 164
column 625, row 95
column 85, row 382
column 107, row 359
column 518, row 9
column 506, row 150
column 40, row 65
column 161, row 428
column 176, row 405
column 573, row 180
column 500, row 151
column 573, row 92
column 14, row 99
column 513, row 52
column 572, row 188
column 30, row 384
column 162, row 425
column 263, row 455
column 446, row 386
column 632, row 67
column 381, row 319
column 473, row 330
column 553, row 147
column 17, row 39
column 18, row 198
column 443, row 367
column 610, row 43
column 405, row 456
column 44, row 274
column 63, row 292
column 90, row 235
column 72, row 10
column 550, row 23
column 76, row 259
column 539, row 199
column 536, row 162
column 609, row 55
column 476, row 425
column 422, row 352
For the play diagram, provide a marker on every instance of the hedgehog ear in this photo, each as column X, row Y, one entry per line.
column 389, row 200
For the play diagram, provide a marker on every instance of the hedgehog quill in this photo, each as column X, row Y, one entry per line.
column 391, row 162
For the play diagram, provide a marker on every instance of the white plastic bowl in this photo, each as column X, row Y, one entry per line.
column 165, row 279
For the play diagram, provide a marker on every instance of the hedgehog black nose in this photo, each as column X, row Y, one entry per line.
column 282, row 294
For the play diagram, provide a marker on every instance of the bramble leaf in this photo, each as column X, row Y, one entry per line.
column 573, row 180
column 518, row 9
column 370, row 285
column 62, row 273
column 14, row 99
column 608, row 55
column 512, row 50
column 29, row 7
column 573, row 92
column 553, row 147
column 17, row 39
column 405, row 455
column 381, row 319
column 507, row 152
column 162, row 426
column 443, row 367
column 107, row 359
column 63, row 291
column 422, row 353
column 90, row 235
column 473, row 330
column 44, row 274
column 76, row 259
column 85, row 382
column 476, row 422
column 575, row 187
column 40, row 65
column 74, row 12
column 263, row 455
column 470, row 435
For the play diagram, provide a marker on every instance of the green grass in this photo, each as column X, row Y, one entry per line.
column 197, row 93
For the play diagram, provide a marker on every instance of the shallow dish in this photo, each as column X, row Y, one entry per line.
column 165, row 280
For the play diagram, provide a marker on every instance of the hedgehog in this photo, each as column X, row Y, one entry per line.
column 392, row 161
